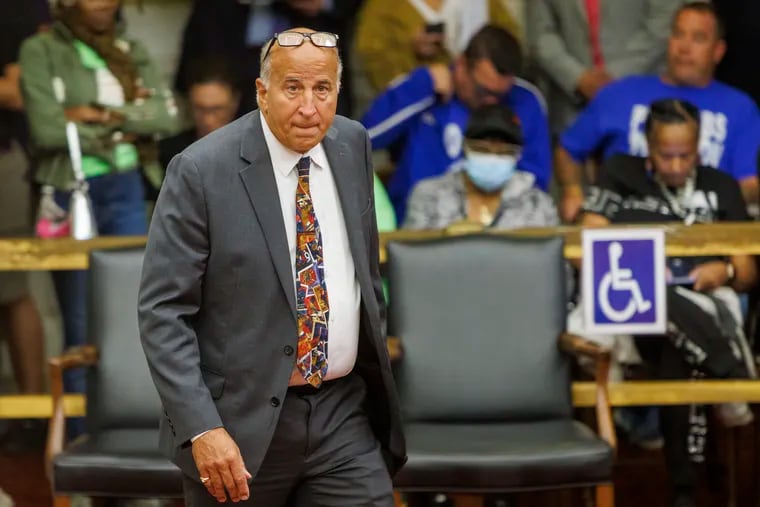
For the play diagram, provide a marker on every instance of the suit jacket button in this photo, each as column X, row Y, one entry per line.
column 288, row 350
column 275, row 402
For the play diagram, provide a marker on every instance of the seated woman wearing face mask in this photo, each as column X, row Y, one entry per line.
column 487, row 186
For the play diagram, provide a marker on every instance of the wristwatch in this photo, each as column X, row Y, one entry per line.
column 731, row 272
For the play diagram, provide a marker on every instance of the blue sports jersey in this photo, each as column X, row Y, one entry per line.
column 432, row 131
column 614, row 123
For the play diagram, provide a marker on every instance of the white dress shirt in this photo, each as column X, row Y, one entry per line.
column 343, row 290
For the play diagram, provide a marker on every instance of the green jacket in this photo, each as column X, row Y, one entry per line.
column 53, row 78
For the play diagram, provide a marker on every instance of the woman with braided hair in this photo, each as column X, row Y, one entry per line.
column 85, row 70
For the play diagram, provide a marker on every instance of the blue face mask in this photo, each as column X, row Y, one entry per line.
column 489, row 172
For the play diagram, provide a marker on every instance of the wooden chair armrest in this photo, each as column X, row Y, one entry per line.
column 604, row 423
column 395, row 349
column 579, row 346
column 75, row 357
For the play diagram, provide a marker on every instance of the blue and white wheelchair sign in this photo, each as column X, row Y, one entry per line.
column 623, row 281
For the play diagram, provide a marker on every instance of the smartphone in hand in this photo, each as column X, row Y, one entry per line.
column 684, row 281
column 434, row 27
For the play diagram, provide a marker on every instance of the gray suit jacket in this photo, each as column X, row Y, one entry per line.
column 633, row 36
column 217, row 300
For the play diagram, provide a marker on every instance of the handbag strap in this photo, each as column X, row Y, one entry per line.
column 72, row 133
column 75, row 151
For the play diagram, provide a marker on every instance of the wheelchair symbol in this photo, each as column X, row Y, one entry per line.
column 620, row 279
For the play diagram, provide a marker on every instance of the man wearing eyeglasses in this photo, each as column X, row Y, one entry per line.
column 261, row 307
column 427, row 111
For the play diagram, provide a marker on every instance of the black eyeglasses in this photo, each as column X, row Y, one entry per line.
column 293, row 39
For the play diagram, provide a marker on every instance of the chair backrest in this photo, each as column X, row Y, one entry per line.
column 120, row 391
column 479, row 318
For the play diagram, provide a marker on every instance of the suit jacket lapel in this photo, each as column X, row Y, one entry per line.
column 259, row 181
column 347, row 175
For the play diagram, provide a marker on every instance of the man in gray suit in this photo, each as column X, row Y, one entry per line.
column 261, row 307
column 581, row 45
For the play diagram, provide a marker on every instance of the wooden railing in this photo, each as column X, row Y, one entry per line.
column 27, row 254
column 584, row 395
column 727, row 238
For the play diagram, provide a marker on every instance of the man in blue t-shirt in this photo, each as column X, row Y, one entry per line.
column 427, row 110
column 613, row 123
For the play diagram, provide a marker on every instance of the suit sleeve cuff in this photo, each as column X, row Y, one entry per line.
column 199, row 435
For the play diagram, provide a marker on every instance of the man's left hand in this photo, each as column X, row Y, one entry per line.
column 220, row 464
column 709, row 276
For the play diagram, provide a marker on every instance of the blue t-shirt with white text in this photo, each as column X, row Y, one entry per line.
column 613, row 123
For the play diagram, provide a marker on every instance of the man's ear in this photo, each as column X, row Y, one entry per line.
column 720, row 51
column 261, row 95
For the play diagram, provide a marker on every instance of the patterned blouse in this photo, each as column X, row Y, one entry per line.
column 440, row 201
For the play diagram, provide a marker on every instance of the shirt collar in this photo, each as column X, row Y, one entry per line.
column 283, row 158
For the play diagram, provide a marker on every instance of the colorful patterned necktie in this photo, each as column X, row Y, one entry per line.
column 312, row 307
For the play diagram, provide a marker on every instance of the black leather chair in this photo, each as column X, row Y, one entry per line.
column 485, row 389
column 118, row 456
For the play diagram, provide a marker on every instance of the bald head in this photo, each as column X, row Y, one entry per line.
column 271, row 48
